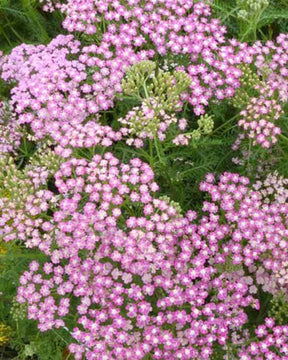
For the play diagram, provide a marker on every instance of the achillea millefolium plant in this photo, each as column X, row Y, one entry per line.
column 144, row 182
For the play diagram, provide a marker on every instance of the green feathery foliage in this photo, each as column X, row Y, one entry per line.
column 250, row 20
column 22, row 21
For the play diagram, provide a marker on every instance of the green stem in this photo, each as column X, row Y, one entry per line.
column 28, row 256
column 60, row 336
column 145, row 90
column 6, row 37
column 249, row 151
column 159, row 151
column 283, row 137
column 17, row 328
column 13, row 30
column 151, row 161
column 223, row 125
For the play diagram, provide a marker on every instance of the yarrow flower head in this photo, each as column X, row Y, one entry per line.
column 271, row 344
column 182, row 29
column 123, row 269
column 273, row 188
column 256, row 231
column 264, row 92
column 52, row 94
column 115, row 247
column 257, row 120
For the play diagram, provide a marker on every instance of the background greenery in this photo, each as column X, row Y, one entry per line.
column 24, row 21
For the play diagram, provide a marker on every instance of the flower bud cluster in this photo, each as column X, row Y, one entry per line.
column 279, row 308
column 143, row 81
column 205, row 127
column 250, row 8
column 250, row 81
column 44, row 158
column 136, row 77
column 150, row 121
column 24, row 201
column 160, row 94
column 18, row 311
column 9, row 133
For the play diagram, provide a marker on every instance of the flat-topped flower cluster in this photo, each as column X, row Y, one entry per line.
column 145, row 278
column 68, row 80
column 125, row 271
column 65, row 80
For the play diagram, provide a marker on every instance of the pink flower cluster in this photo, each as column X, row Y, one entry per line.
column 272, row 343
column 115, row 247
column 61, row 86
column 252, row 232
column 257, row 121
column 271, row 60
column 178, row 27
column 144, row 278
column 52, row 94
column 139, row 277
column 273, row 187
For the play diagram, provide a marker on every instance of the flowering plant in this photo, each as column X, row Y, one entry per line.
column 143, row 196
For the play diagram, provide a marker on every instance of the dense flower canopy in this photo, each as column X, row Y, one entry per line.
column 133, row 253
